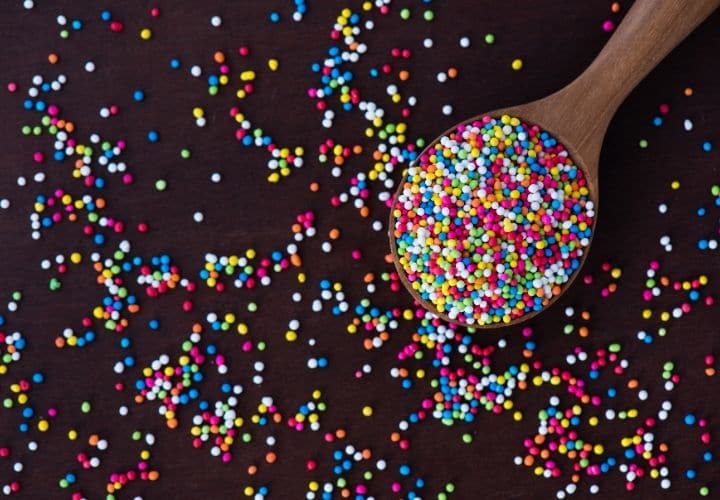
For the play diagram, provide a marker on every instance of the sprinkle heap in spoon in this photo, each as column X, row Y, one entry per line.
column 491, row 221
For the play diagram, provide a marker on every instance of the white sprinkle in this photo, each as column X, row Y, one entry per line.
column 216, row 21
column 89, row 66
column 198, row 217
column 215, row 177
column 687, row 125
column 447, row 110
column 428, row 43
column 662, row 208
column 4, row 203
column 465, row 42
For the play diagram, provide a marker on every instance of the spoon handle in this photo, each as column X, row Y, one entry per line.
column 649, row 31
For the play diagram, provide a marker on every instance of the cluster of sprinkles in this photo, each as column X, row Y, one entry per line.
column 492, row 220
column 493, row 275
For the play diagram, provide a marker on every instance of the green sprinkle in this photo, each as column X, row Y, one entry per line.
column 185, row 153
column 467, row 438
column 85, row 407
column 489, row 38
column 161, row 184
column 405, row 14
column 429, row 15
column 643, row 143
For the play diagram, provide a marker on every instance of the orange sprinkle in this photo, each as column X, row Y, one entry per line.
column 340, row 433
column 404, row 75
column 583, row 331
column 688, row 91
column 219, row 57
column 270, row 457
column 585, row 315
column 334, row 233
column 53, row 58
column 252, row 469
column 314, row 187
column 615, row 7
column 452, row 72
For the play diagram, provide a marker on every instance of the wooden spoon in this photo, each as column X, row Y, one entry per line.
column 578, row 114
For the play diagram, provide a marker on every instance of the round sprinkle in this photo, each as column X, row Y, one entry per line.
column 216, row 21
column 517, row 64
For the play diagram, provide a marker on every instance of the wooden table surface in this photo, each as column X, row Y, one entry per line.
column 555, row 40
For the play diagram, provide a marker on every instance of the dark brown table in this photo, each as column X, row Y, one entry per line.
column 556, row 40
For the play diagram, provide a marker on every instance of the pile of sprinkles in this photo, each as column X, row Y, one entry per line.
column 284, row 365
column 492, row 220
